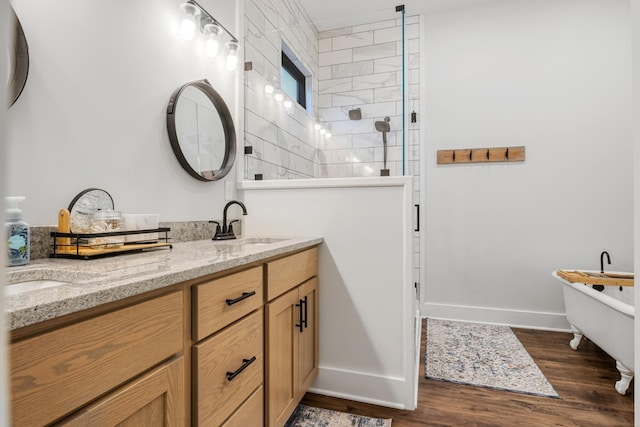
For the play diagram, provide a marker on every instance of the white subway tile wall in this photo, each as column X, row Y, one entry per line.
column 285, row 144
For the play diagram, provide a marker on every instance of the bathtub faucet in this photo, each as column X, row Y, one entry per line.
column 602, row 260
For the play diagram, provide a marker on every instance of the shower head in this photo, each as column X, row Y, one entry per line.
column 355, row 114
column 383, row 126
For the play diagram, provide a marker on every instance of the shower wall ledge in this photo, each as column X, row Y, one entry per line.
column 392, row 181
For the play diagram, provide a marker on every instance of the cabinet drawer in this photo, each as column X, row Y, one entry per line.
column 55, row 373
column 217, row 393
column 221, row 302
column 250, row 413
column 285, row 273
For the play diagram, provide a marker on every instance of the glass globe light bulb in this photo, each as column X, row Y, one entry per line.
column 212, row 43
column 232, row 56
column 190, row 20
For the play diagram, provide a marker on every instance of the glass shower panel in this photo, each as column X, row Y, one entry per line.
column 355, row 124
column 362, row 101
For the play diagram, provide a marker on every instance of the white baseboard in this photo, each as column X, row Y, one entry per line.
column 363, row 387
column 514, row 318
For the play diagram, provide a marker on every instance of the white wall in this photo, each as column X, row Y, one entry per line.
column 554, row 76
column 366, row 292
column 93, row 112
column 635, row 26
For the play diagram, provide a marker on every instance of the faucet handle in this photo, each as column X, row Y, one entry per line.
column 230, row 228
column 218, row 230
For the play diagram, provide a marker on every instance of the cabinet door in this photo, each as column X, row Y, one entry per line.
column 308, row 346
column 282, row 318
column 156, row 399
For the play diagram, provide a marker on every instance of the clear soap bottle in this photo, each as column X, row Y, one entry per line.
column 18, row 234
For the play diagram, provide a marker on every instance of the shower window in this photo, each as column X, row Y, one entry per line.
column 293, row 81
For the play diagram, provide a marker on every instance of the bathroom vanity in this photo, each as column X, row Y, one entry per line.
column 207, row 333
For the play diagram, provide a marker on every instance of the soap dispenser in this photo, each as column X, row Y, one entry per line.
column 18, row 233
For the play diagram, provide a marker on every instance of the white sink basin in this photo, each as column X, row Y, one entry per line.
column 33, row 279
column 31, row 285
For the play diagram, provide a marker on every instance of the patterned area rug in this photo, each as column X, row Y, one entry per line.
column 482, row 355
column 307, row 416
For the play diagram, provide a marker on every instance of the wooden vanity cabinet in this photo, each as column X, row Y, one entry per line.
column 291, row 333
column 115, row 358
column 237, row 350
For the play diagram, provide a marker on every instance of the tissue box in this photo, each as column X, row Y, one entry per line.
column 140, row 222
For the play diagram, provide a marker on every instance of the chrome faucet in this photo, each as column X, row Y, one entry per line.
column 602, row 260
column 225, row 232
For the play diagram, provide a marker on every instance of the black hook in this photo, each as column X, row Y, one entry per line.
column 470, row 155
column 487, row 154
column 506, row 155
column 454, row 155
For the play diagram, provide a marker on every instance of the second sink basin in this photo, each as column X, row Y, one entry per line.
column 31, row 285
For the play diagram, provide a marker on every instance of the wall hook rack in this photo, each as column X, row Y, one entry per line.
column 481, row 155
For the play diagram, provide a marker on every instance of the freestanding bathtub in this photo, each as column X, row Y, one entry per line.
column 606, row 318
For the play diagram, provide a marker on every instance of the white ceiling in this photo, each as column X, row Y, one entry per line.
column 332, row 14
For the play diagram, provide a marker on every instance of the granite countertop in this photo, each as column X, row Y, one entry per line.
column 99, row 281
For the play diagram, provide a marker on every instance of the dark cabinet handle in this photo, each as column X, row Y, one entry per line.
column 244, row 295
column 245, row 363
column 301, row 324
column 417, row 218
column 306, row 314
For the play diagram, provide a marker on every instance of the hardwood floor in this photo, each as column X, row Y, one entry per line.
column 584, row 380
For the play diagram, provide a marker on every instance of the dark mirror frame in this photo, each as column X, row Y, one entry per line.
column 227, row 124
column 20, row 63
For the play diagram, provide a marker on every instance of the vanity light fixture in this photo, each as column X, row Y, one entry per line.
column 196, row 19
column 327, row 135
column 317, row 126
column 278, row 96
column 287, row 104
column 323, row 131
column 268, row 89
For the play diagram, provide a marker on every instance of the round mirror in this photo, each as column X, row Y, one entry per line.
column 201, row 131
column 18, row 55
